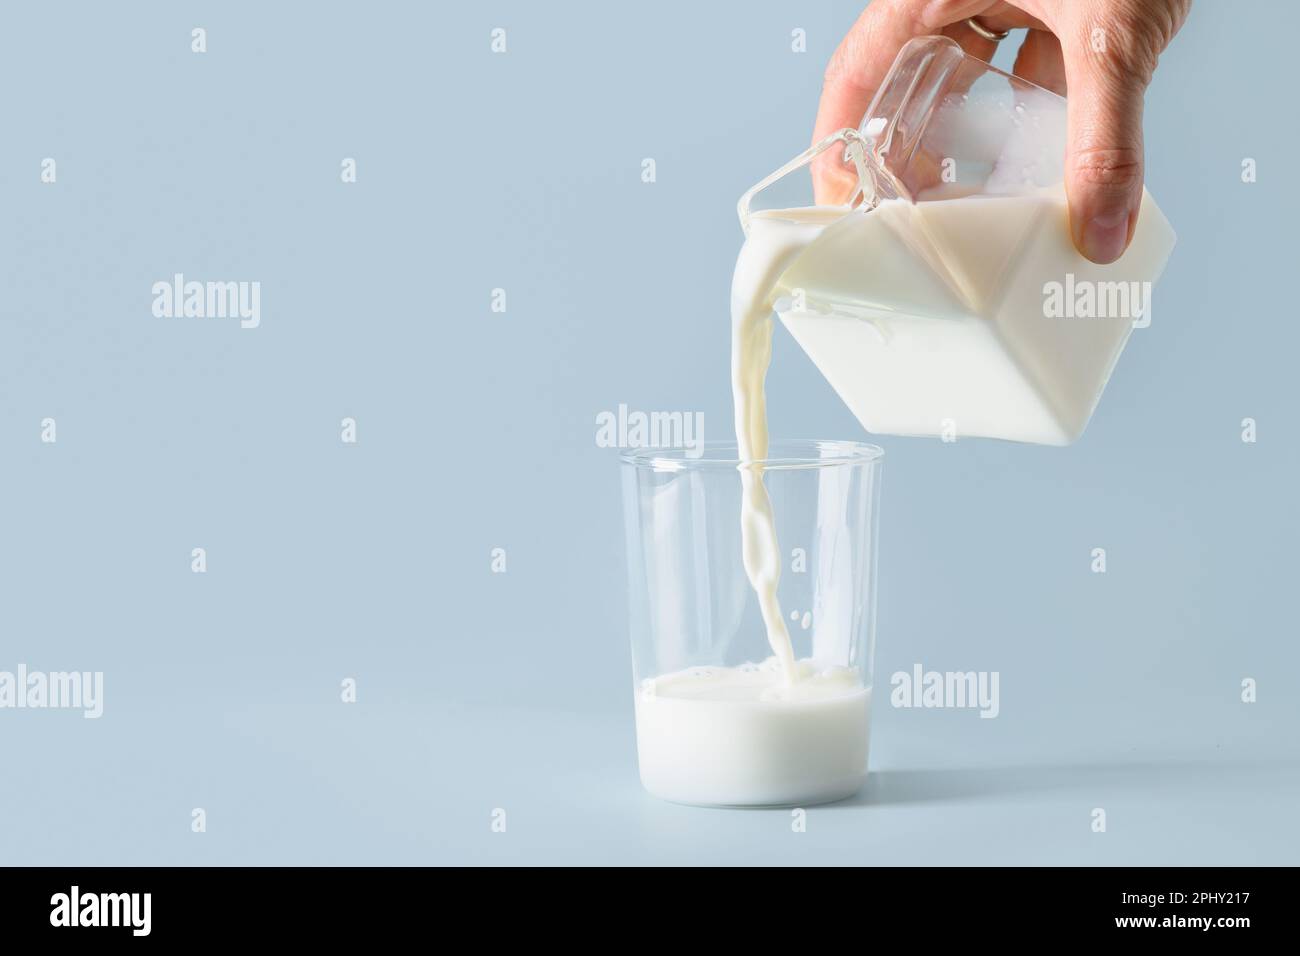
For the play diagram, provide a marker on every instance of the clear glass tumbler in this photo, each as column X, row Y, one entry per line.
column 718, row 723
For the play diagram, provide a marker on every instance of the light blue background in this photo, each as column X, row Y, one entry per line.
column 481, row 690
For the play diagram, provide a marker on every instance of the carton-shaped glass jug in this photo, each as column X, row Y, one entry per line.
column 946, row 298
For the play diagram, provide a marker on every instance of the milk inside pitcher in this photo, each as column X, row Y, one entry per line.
column 946, row 298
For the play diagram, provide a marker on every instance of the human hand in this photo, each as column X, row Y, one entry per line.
column 1106, row 82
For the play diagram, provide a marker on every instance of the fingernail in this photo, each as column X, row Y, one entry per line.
column 1105, row 236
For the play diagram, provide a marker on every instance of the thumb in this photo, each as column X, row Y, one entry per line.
column 1103, row 164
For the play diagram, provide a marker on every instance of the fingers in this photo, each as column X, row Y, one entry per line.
column 1103, row 166
column 1110, row 51
column 858, row 66
column 970, row 41
column 1039, row 60
column 867, row 52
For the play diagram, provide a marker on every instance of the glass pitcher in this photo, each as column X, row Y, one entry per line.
column 948, row 300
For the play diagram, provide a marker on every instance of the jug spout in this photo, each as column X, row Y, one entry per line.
column 854, row 150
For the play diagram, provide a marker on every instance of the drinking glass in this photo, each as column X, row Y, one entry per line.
column 716, row 725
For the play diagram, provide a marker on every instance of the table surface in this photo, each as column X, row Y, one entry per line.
column 406, row 783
